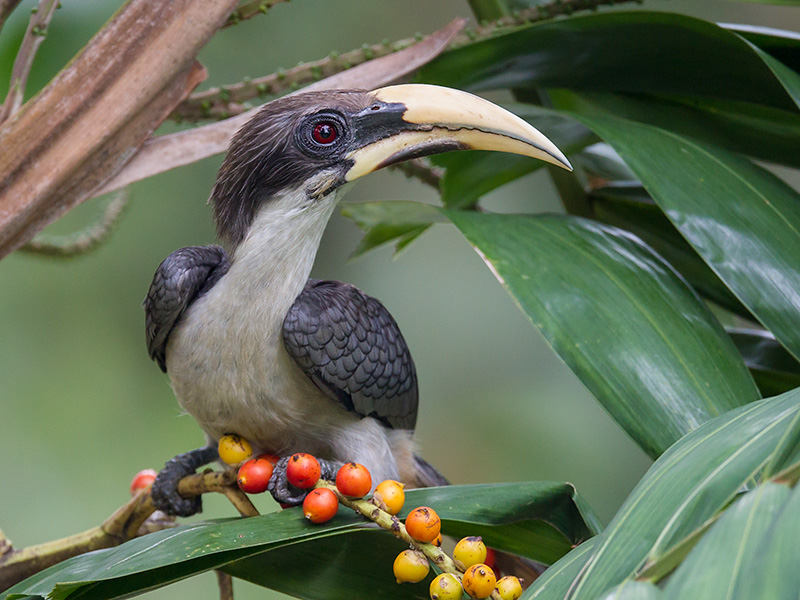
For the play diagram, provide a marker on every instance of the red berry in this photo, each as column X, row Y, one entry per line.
column 303, row 470
column 142, row 479
column 353, row 480
column 254, row 475
column 320, row 505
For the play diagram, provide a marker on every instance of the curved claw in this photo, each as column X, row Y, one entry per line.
column 164, row 491
column 287, row 494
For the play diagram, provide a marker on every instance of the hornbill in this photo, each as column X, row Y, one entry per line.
column 253, row 346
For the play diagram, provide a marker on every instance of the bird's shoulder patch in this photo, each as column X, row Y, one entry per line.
column 352, row 348
column 180, row 279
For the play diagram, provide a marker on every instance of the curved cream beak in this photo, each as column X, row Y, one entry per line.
column 429, row 119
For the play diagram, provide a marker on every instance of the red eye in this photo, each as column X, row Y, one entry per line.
column 324, row 133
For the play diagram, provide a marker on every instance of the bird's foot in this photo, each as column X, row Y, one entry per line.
column 287, row 494
column 164, row 491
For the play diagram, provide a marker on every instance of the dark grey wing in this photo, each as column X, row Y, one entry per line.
column 350, row 345
column 184, row 275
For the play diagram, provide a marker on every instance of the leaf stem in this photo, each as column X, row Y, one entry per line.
column 33, row 38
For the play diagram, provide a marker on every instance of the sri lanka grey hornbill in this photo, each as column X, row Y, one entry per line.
column 254, row 347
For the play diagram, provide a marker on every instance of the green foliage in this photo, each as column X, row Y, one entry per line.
column 687, row 232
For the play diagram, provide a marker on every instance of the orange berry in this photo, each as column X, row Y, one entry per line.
column 234, row 449
column 437, row 541
column 469, row 551
column 410, row 566
column 353, row 480
column 389, row 495
column 254, row 475
column 423, row 524
column 509, row 588
column 446, row 587
column 142, row 479
column 478, row 581
column 320, row 505
column 302, row 471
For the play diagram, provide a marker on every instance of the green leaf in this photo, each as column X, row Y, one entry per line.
column 385, row 222
column 472, row 174
column 763, row 132
column 634, row 590
column 740, row 218
column 539, row 519
column 686, row 486
column 629, row 206
column 781, row 44
column 712, row 568
column 620, row 317
column 773, row 574
column 631, row 52
column 602, row 161
column 774, row 369
column 555, row 582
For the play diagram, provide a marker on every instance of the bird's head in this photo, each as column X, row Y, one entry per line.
column 307, row 146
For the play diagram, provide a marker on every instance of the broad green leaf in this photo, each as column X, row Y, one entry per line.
column 555, row 582
column 686, row 486
column 764, row 132
column 740, row 218
column 774, row 369
column 630, row 207
column 789, row 79
column 470, row 175
column 712, row 568
column 631, row 52
column 779, row 43
column 773, row 574
column 634, row 590
column 620, row 317
column 539, row 519
column 602, row 161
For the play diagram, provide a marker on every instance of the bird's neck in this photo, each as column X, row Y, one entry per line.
column 272, row 263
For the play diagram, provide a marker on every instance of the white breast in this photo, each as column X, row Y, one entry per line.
column 226, row 359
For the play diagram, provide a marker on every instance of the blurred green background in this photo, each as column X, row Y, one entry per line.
column 82, row 408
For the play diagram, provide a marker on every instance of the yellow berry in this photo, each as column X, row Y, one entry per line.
column 469, row 551
column 234, row 449
column 479, row 581
column 446, row 587
column 509, row 588
column 390, row 496
column 410, row 566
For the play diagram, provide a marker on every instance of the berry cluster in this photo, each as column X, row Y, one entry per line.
column 467, row 571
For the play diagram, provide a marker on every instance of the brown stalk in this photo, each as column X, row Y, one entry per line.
column 86, row 124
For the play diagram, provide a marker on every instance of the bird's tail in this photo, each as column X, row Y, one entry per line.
column 428, row 476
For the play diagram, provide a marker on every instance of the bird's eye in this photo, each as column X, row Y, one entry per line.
column 324, row 133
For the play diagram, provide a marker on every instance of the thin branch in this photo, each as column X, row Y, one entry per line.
column 130, row 520
column 34, row 36
column 248, row 10
column 422, row 170
column 226, row 101
column 225, row 583
column 86, row 239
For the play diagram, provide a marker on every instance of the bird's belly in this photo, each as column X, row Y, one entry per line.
column 241, row 380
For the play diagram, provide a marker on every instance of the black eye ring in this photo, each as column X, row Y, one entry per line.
column 322, row 134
